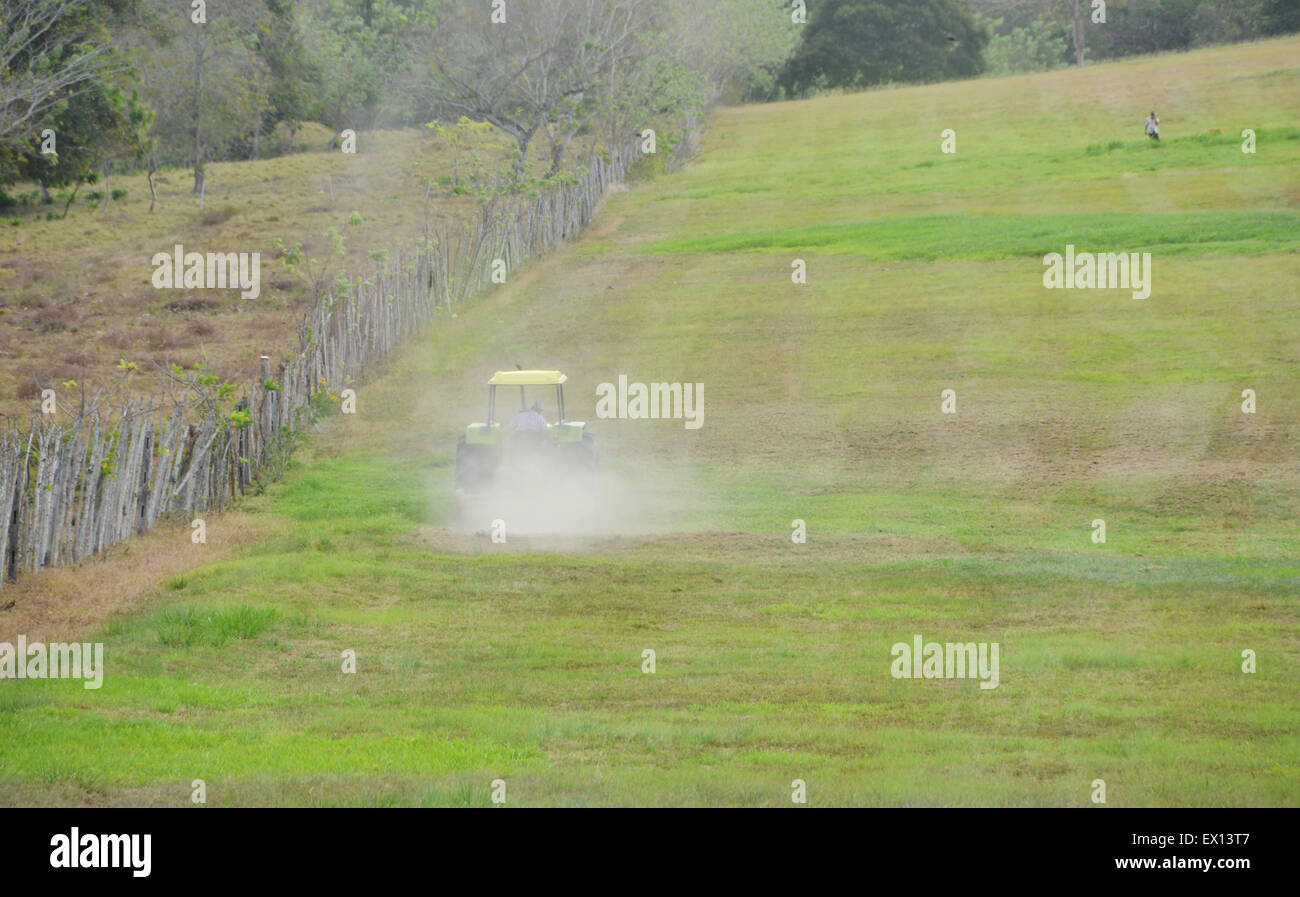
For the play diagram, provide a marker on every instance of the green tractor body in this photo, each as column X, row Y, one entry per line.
column 494, row 450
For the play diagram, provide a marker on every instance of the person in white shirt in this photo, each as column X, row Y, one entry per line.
column 1153, row 126
column 529, row 420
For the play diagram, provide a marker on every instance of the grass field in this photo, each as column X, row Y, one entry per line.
column 476, row 661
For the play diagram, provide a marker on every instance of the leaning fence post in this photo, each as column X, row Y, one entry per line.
column 146, row 456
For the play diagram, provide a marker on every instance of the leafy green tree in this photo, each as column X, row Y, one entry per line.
column 361, row 61
column 293, row 75
column 207, row 82
column 858, row 43
column 92, row 121
column 1035, row 47
column 50, row 52
column 735, row 47
column 1279, row 16
column 92, row 131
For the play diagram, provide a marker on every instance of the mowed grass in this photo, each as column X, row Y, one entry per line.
column 1006, row 236
column 477, row 661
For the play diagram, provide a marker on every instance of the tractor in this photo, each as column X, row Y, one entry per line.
column 490, row 453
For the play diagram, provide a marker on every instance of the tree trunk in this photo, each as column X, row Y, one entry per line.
column 523, row 154
column 197, row 149
column 200, row 180
column 1080, row 40
column 558, row 149
column 68, row 204
column 153, row 191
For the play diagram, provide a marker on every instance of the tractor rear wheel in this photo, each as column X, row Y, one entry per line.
column 475, row 465
column 582, row 455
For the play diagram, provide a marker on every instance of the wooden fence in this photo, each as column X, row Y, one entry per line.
column 69, row 490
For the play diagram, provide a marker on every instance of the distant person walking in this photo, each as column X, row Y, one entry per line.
column 1153, row 126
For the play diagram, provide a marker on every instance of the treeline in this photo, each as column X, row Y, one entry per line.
column 850, row 44
column 89, row 85
column 1033, row 35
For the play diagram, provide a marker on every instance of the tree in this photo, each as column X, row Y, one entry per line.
column 50, row 52
column 745, row 43
column 1035, row 47
column 292, row 75
column 1279, row 16
column 98, row 127
column 91, row 123
column 360, row 56
column 543, row 69
column 857, row 43
column 207, row 83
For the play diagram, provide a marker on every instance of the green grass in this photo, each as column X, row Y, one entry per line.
column 1007, row 236
column 522, row 661
column 187, row 626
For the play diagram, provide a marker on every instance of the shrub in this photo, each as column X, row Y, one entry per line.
column 218, row 216
column 157, row 338
column 191, row 303
column 56, row 319
column 122, row 340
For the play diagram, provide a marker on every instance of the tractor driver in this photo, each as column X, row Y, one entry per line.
column 529, row 420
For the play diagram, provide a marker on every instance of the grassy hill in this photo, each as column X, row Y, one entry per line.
column 523, row 661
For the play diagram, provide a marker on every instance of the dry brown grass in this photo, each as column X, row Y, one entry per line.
column 81, row 287
column 68, row 602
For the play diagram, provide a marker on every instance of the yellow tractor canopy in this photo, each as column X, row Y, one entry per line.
column 527, row 378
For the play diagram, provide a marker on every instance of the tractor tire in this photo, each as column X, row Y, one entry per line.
column 475, row 466
column 582, row 455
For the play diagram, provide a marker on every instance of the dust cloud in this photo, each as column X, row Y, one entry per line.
column 568, row 503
